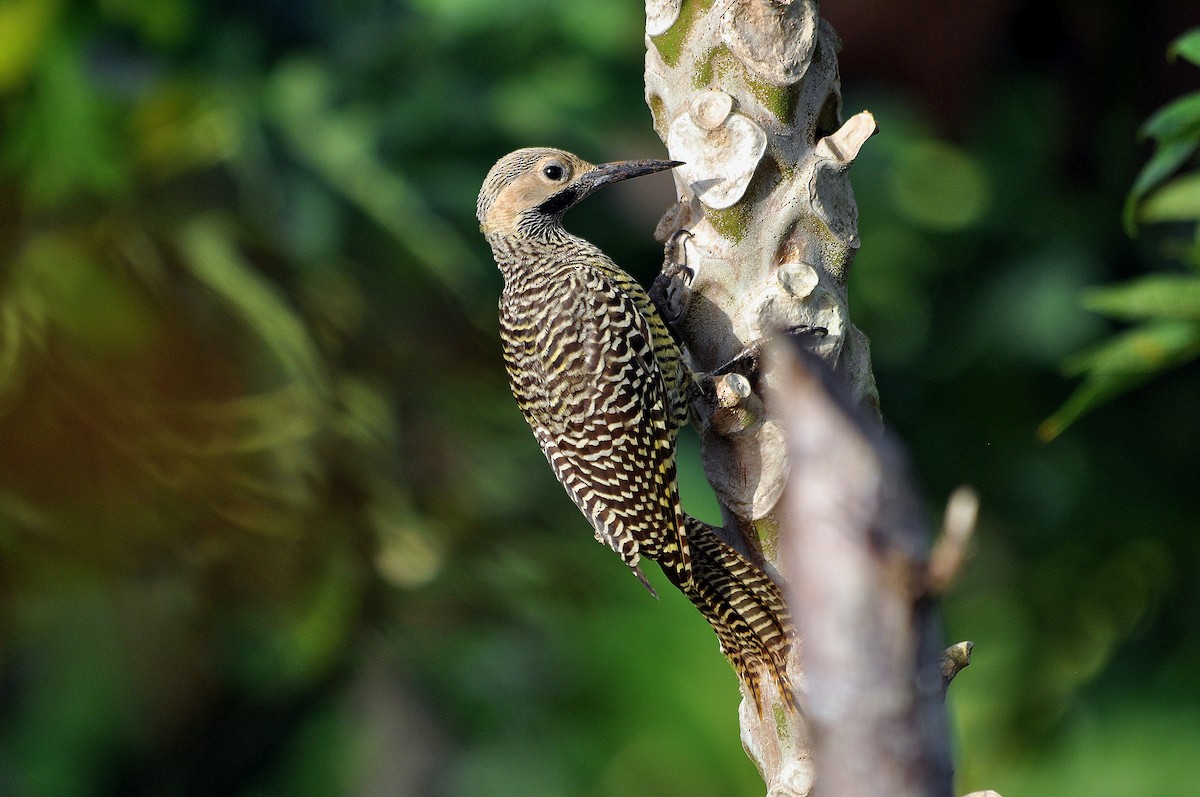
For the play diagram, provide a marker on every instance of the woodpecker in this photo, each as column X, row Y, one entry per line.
column 600, row 380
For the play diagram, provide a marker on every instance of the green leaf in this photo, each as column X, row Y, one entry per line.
column 25, row 28
column 1186, row 46
column 1166, row 159
column 213, row 257
column 1147, row 349
column 1120, row 364
column 65, row 141
column 339, row 145
column 1087, row 397
column 1167, row 296
column 1177, row 119
column 95, row 307
column 1178, row 200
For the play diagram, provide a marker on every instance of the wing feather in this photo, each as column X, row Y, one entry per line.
column 582, row 366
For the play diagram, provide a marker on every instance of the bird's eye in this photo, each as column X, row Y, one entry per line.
column 553, row 172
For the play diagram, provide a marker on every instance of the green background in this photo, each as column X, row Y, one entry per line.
column 271, row 524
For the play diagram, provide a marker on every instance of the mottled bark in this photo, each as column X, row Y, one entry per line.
column 746, row 93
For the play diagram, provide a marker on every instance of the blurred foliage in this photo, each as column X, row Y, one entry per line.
column 270, row 523
column 1166, row 307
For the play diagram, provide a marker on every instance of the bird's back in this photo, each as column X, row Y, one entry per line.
column 585, row 352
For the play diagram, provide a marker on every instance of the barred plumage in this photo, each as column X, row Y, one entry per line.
column 745, row 608
column 601, row 382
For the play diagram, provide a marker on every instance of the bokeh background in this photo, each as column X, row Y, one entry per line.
column 271, row 524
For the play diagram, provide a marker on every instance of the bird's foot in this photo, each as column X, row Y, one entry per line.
column 670, row 288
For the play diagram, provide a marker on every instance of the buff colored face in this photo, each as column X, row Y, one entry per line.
column 533, row 186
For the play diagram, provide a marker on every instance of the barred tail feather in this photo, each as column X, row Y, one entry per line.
column 745, row 608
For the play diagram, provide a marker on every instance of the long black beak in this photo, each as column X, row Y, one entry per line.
column 607, row 173
column 599, row 176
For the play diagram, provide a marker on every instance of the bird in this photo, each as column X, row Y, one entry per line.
column 600, row 379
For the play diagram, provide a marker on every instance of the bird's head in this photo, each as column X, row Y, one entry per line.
column 528, row 191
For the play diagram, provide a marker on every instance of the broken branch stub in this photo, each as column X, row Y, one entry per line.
column 858, row 550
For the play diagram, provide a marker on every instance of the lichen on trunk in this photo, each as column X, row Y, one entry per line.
column 746, row 93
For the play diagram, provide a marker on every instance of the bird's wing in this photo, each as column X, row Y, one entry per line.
column 587, row 379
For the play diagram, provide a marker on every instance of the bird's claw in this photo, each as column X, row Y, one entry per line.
column 669, row 290
column 673, row 265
